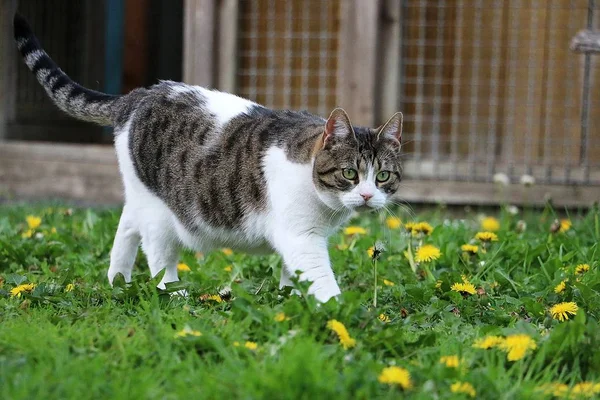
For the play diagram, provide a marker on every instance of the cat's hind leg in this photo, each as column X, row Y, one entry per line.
column 125, row 247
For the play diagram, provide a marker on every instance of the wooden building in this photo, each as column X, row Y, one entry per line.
column 489, row 88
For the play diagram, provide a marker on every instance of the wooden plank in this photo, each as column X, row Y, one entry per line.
column 358, row 43
column 227, row 44
column 8, row 66
column 388, row 60
column 89, row 173
column 198, row 37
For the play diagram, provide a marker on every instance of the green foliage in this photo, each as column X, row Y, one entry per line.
column 71, row 335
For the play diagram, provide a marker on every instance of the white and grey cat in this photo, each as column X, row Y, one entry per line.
column 205, row 170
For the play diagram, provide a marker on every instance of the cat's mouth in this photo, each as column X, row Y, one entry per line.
column 365, row 208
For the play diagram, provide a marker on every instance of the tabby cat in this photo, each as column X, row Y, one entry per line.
column 205, row 169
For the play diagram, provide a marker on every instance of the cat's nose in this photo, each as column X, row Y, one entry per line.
column 366, row 196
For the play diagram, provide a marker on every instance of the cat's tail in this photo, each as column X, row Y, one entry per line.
column 72, row 98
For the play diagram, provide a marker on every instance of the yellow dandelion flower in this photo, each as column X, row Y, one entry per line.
column 53, row 230
column 408, row 227
column 582, row 268
column 227, row 251
column 236, row 344
column 33, row 222
column 183, row 267
column 586, row 389
column 488, row 342
column 340, row 330
column 517, row 346
column 216, row 298
column 69, row 287
column 565, row 225
column 371, row 251
column 464, row 388
column 187, row 331
column 427, row 253
column 438, row 284
column 280, row 317
column 561, row 311
column 486, row 237
column 490, row 224
column 388, row 283
column 469, row 248
column 555, row 389
column 355, row 230
column 27, row 234
column 450, row 361
column 24, row 288
column 251, row 345
column 384, row 318
column 463, row 288
column 228, row 268
column 560, row 287
column 421, row 228
column 396, row 376
column 393, row 222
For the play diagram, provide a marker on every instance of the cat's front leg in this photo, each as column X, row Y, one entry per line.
column 308, row 254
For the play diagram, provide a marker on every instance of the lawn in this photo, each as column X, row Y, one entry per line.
column 448, row 321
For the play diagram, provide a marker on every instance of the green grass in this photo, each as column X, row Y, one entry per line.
column 119, row 343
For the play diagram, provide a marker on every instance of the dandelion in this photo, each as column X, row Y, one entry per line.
column 340, row 330
column 427, row 253
column 517, row 346
column 450, row 361
column 486, row 237
column 355, row 230
column 560, row 287
column 251, row 345
column 408, row 227
column 470, row 248
column 69, row 287
column 527, row 180
column 388, row 283
column 187, row 331
column 27, row 234
column 422, row 228
column 582, row 268
column 280, row 317
column 393, row 222
column 227, row 251
column 183, row 267
column 228, row 268
column 488, row 342
column 554, row 388
column 384, row 318
column 438, row 284
column 586, row 389
column 561, row 311
column 490, row 224
column 501, row 179
column 24, row 288
column 396, row 376
column 33, row 222
column 565, row 225
column 53, row 230
column 375, row 251
column 512, row 210
column 464, row 288
column 464, row 388
column 371, row 251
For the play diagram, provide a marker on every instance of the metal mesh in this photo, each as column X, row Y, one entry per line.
column 288, row 53
column 490, row 86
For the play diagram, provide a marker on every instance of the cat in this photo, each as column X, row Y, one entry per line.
column 204, row 169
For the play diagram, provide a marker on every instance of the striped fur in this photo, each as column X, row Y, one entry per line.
column 205, row 169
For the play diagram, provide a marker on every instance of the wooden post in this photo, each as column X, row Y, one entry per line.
column 227, row 45
column 8, row 66
column 198, row 36
column 388, row 61
column 356, row 79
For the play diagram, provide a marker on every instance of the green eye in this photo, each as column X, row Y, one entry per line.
column 349, row 173
column 383, row 176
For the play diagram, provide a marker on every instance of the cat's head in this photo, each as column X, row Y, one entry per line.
column 358, row 168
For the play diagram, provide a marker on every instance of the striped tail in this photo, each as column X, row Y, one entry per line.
column 72, row 98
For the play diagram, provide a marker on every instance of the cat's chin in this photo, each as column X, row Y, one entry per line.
column 364, row 208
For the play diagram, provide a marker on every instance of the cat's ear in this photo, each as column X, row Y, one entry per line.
column 337, row 125
column 392, row 128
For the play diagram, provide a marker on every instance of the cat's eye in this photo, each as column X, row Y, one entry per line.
column 349, row 173
column 383, row 176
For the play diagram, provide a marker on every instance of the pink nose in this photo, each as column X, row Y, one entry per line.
column 366, row 196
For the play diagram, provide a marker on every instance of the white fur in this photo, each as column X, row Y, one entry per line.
column 296, row 223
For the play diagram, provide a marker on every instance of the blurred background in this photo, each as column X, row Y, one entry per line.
column 491, row 93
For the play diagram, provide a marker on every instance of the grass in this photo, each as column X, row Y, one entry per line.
column 95, row 341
